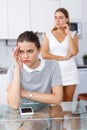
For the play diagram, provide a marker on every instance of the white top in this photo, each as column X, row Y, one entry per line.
column 68, row 68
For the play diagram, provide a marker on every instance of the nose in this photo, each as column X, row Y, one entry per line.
column 25, row 54
column 58, row 19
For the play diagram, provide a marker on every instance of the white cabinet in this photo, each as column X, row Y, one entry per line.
column 18, row 17
column 85, row 10
column 3, row 19
column 42, row 14
column 75, row 8
column 85, row 19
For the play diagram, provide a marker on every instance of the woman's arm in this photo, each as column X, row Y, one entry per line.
column 13, row 90
column 73, row 42
column 55, row 97
column 47, row 55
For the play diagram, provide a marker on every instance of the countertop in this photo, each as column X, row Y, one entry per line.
column 81, row 66
column 3, row 70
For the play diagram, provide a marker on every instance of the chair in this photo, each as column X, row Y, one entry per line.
column 82, row 96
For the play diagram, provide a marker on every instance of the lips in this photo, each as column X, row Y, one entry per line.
column 26, row 61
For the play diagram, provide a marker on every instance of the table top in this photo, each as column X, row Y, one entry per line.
column 67, row 111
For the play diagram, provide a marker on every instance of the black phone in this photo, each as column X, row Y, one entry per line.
column 26, row 110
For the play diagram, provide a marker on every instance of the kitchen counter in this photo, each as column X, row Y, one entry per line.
column 81, row 66
column 3, row 70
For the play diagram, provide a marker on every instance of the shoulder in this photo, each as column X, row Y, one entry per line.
column 46, row 34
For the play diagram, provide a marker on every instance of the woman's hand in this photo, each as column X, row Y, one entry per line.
column 17, row 60
column 24, row 93
column 68, row 56
column 66, row 28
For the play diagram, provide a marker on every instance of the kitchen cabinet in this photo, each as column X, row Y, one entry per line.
column 42, row 14
column 37, row 15
column 3, row 19
column 75, row 8
column 85, row 9
column 85, row 19
column 14, row 18
column 18, row 17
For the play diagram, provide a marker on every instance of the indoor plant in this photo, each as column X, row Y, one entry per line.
column 85, row 59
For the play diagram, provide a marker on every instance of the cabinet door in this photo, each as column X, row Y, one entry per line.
column 85, row 20
column 85, row 10
column 75, row 8
column 18, row 17
column 3, row 19
column 42, row 14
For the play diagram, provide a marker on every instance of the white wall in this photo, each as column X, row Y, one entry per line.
column 3, row 93
column 82, row 43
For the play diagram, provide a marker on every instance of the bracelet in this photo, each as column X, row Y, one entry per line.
column 30, row 95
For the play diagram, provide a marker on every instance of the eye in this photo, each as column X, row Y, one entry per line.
column 61, row 17
column 55, row 17
column 21, row 52
column 30, row 51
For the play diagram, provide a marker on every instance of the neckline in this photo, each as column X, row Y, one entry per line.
column 39, row 68
column 60, row 42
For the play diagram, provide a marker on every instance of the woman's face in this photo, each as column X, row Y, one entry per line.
column 28, row 53
column 60, row 19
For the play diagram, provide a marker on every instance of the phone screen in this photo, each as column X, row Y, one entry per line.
column 26, row 110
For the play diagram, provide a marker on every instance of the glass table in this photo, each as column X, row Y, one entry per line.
column 67, row 116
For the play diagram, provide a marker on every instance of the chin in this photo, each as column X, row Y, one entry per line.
column 27, row 64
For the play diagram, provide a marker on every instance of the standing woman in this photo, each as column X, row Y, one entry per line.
column 62, row 45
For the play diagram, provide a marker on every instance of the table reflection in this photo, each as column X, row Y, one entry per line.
column 67, row 116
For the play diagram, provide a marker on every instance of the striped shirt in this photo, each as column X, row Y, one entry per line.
column 39, row 81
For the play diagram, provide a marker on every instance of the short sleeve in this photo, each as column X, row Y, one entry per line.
column 56, row 77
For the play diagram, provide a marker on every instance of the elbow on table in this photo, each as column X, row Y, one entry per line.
column 13, row 105
column 58, row 101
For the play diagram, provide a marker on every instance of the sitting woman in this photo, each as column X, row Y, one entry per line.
column 32, row 79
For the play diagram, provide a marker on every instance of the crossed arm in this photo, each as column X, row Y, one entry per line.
column 15, row 92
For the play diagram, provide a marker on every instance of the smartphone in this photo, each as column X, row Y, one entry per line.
column 26, row 110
